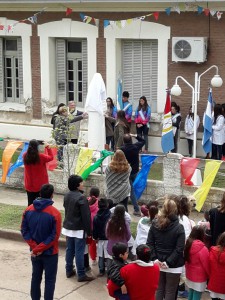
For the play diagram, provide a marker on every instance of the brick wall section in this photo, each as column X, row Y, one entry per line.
column 184, row 25
column 36, row 73
column 101, row 51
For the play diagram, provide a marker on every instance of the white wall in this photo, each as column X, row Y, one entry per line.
column 137, row 30
column 66, row 28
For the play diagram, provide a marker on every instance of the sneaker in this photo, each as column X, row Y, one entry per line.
column 71, row 274
column 85, row 278
column 183, row 294
column 87, row 269
column 137, row 213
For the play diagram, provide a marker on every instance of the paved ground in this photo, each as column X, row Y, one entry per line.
column 16, row 266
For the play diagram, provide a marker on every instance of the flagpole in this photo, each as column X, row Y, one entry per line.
column 195, row 110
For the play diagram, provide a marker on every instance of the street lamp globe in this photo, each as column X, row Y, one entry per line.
column 176, row 90
column 216, row 81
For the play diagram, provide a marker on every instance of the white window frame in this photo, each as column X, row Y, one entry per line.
column 68, row 29
column 137, row 30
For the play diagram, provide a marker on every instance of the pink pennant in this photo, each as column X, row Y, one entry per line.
column 206, row 12
column 68, row 11
column 2, row 27
column 156, row 15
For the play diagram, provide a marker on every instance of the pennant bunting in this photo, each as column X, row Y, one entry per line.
column 182, row 6
column 82, row 16
column 156, row 15
column 7, row 156
column 211, row 169
column 84, row 160
column 96, row 22
column 96, row 165
column 212, row 12
column 2, row 27
column 142, row 18
column 33, row 19
column 206, row 12
column 167, row 141
column 106, row 23
column 177, row 9
column 118, row 24
column 219, row 15
column 129, row 21
column 200, row 10
column 188, row 166
column 140, row 181
column 88, row 19
column 69, row 11
column 168, row 11
column 19, row 161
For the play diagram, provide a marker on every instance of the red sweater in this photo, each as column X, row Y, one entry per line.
column 217, row 270
column 197, row 270
column 141, row 280
column 35, row 175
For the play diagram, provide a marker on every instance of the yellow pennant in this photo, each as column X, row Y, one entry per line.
column 211, row 169
column 84, row 160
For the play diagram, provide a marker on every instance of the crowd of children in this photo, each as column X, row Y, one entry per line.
column 169, row 250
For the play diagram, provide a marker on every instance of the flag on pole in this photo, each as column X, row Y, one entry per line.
column 167, row 141
column 140, row 181
column 119, row 93
column 207, row 124
column 211, row 169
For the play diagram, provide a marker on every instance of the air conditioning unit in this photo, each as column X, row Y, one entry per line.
column 189, row 49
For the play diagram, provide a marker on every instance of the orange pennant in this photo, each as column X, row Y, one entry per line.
column 7, row 156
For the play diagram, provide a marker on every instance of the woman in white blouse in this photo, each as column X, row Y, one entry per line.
column 218, row 132
column 189, row 129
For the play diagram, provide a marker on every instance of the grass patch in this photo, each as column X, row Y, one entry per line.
column 11, row 217
column 156, row 172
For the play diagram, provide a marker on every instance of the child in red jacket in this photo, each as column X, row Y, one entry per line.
column 196, row 257
column 216, row 284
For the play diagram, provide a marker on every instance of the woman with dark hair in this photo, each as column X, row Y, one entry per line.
column 166, row 239
column 189, row 129
column 217, row 220
column 117, row 179
column 217, row 132
column 196, row 256
column 216, row 282
column 176, row 120
column 110, row 120
column 121, row 128
column 142, row 118
column 55, row 114
column 117, row 229
column 35, row 171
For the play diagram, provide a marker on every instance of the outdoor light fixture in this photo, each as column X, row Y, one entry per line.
column 176, row 91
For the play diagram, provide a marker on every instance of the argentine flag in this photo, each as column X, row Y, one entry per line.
column 207, row 124
column 167, row 141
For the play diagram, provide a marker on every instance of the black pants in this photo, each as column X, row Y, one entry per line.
column 31, row 196
column 216, row 151
column 175, row 139
column 143, row 132
column 190, row 146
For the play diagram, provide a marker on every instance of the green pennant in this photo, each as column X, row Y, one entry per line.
column 97, row 164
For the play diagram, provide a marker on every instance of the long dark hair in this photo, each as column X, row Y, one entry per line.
column 217, row 112
column 145, row 105
column 197, row 233
column 183, row 205
column 177, row 107
column 111, row 102
column 153, row 210
column 57, row 110
column 32, row 154
column 117, row 225
column 121, row 118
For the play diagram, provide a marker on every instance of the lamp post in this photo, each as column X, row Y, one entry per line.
column 176, row 91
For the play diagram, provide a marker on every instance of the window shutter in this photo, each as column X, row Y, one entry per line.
column 2, row 96
column 61, row 70
column 140, row 70
column 84, row 71
column 20, row 65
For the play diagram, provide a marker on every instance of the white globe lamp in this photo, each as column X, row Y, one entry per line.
column 176, row 90
column 216, row 81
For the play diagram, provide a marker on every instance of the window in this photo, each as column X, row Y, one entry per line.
column 71, row 70
column 11, row 76
column 140, row 69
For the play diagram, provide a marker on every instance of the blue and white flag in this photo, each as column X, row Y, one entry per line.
column 19, row 161
column 140, row 181
column 167, row 141
column 119, row 93
column 207, row 124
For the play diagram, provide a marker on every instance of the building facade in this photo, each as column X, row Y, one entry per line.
column 49, row 52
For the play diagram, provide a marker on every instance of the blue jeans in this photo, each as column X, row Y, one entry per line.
column 49, row 264
column 132, row 195
column 121, row 296
column 75, row 247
